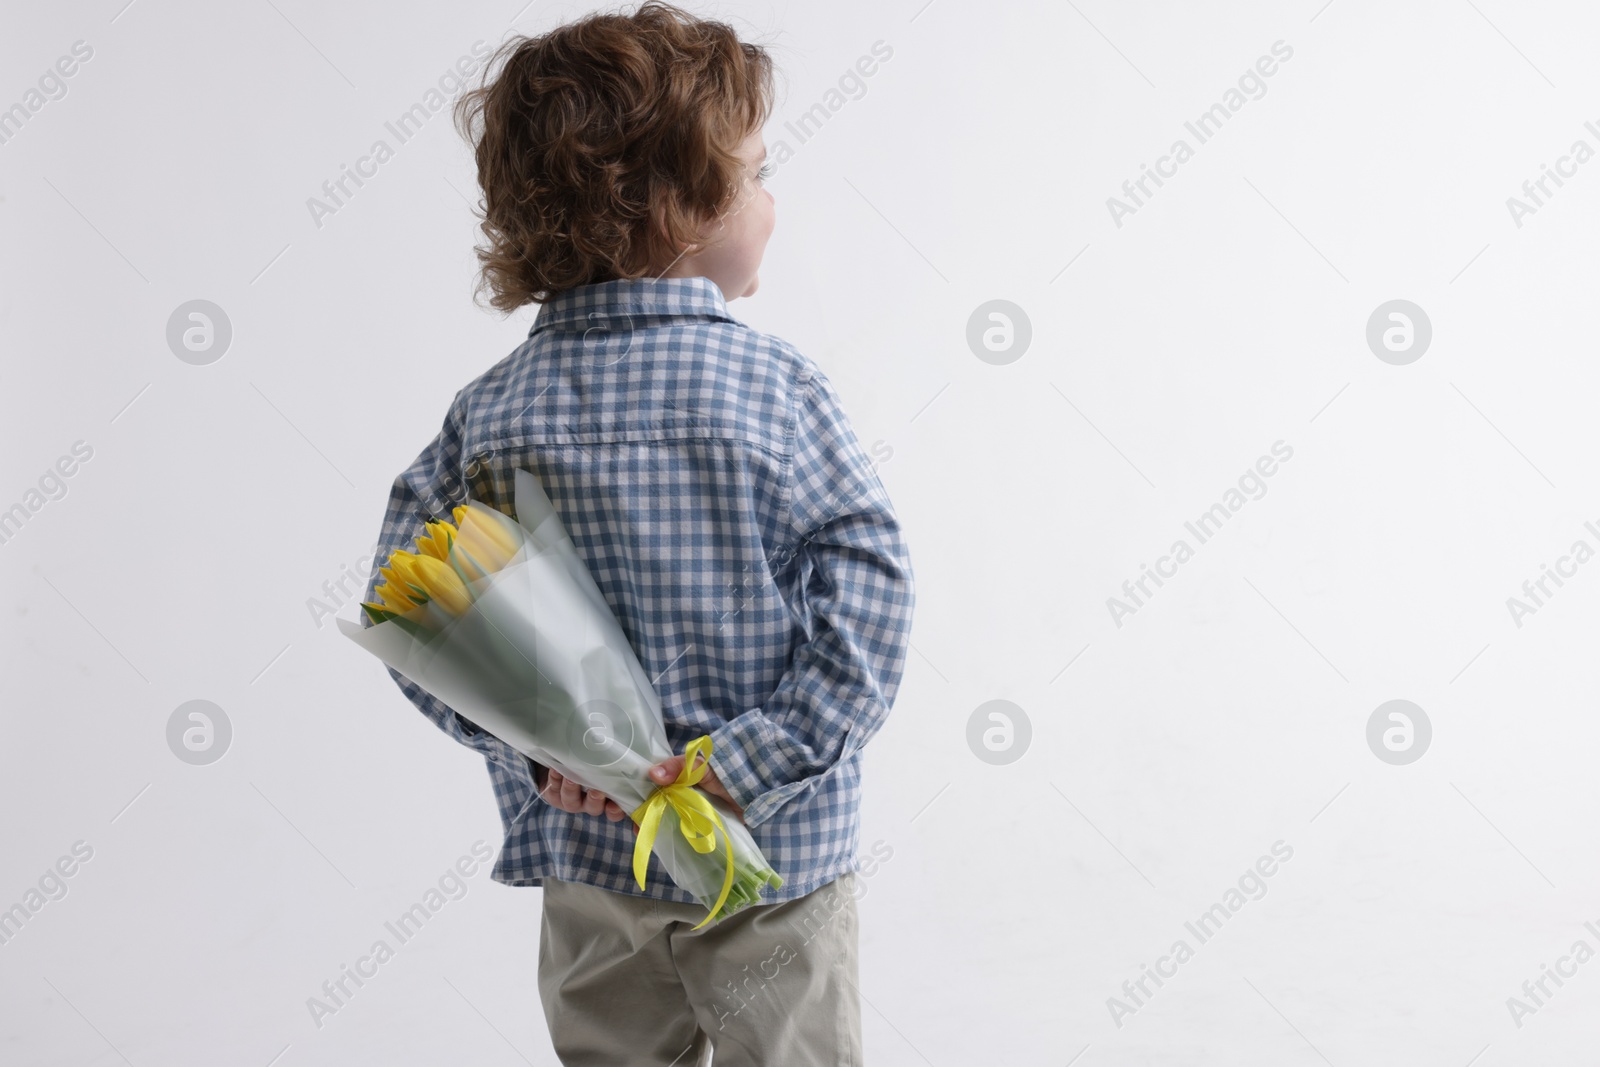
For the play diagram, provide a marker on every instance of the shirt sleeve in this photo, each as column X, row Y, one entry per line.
column 427, row 489
column 856, row 585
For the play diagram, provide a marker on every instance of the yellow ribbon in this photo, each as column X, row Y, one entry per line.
column 697, row 818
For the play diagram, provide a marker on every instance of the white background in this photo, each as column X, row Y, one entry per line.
column 1229, row 713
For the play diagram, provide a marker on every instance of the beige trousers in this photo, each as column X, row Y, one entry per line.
column 626, row 982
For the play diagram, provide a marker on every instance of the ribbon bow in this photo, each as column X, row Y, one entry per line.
column 697, row 818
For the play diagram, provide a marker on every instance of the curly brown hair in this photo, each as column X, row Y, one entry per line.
column 605, row 145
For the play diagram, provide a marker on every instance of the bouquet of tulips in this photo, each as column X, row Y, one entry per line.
column 500, row 619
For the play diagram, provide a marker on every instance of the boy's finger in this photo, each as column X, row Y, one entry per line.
column 594, row 802
column 614, row 811
column 571, row 795
column 667, row 770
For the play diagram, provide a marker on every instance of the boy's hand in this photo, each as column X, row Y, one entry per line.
column 668, row 770
column 568, row 795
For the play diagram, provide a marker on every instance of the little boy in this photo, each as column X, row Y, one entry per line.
column 720, row 498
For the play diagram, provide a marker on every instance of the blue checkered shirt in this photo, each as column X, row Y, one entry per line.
column 712, row 483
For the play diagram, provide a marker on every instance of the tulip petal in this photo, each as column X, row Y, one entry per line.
column 442, row 585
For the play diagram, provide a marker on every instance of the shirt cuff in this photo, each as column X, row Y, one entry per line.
column 748, row 758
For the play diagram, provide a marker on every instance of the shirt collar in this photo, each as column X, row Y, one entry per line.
column 633, row 299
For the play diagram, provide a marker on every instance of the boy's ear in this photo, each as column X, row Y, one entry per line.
column 659, row 223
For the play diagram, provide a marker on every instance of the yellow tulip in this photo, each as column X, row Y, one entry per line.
column 437, row 581
column 399, row 574
column 447, row 557
column 402, row 578
column 437, row 539
column 392, row 599
column 484, row 543
column 392, row 592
